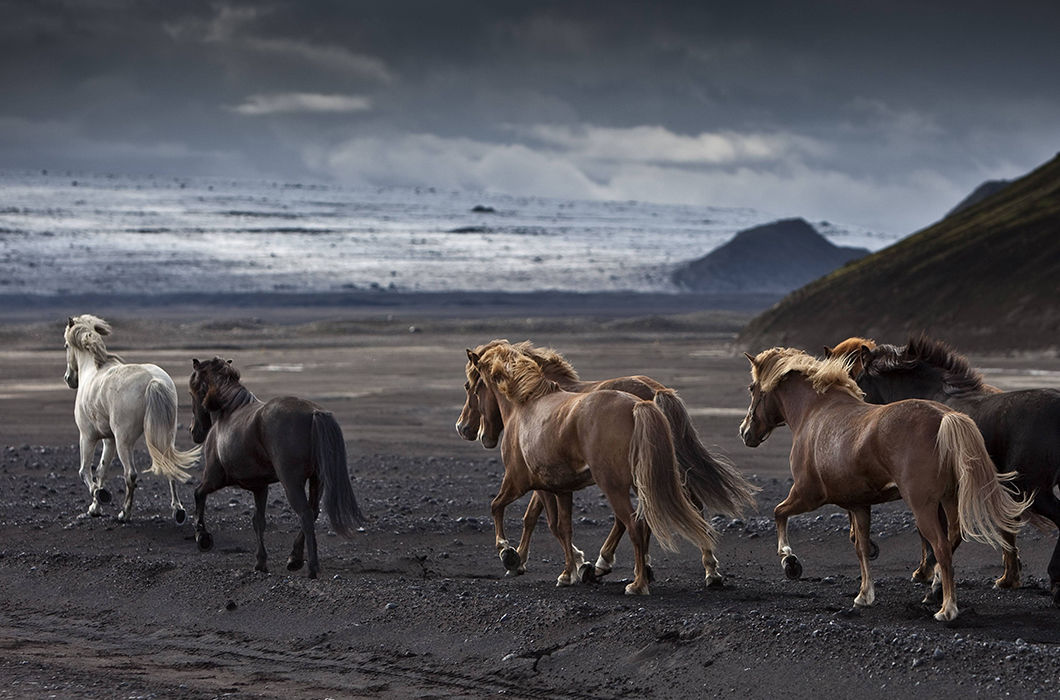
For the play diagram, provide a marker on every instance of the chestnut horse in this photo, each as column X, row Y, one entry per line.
column 560, row 441
column 708, row 479
column 251, row 444
column 853, row 454
column 1021, row 428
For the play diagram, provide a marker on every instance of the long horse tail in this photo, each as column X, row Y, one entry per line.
column 984, row 506
column 160, row 433
column 713, row 481
column 661, row 499
column 329, row 457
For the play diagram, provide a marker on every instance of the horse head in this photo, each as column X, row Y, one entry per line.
column 207, row 379
column 763, row 413
column 854, row 349
column 481, row 416
column 84, row 334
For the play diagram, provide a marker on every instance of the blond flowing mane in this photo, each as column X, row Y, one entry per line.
column 552, row 363
column 771, row 366
column 85, row 333
column 517, row 375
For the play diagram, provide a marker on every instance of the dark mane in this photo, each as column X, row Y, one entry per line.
column 222, row 384
column 958, row 375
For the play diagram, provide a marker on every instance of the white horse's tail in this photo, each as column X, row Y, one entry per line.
column 160, row 432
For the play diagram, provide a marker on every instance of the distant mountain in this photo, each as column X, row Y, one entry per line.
column 980, row 193
column 984, row 278
column 773, row 258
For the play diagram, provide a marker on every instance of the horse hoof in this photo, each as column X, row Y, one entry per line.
column 103, row 495
column 205, row 541
column 124, row 517
column 294, row 564
column 874, row 550
column 94, row 510
column 312, row 573
column 919, row 577
column 511, row 560
column 715, row 581
column 587, row 573
column 633, row 590
column 1056, row 594
column 792, row 567
column 1005, row 582
column 262, row 568
column 599, row 573
column 180, row 516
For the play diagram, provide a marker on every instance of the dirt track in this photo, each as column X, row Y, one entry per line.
column 417, row 604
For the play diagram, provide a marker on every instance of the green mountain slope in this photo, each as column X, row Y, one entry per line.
column 986, row 277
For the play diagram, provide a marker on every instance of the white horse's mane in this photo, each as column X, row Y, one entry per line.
column 85, row 333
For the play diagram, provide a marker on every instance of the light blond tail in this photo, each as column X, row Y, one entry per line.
column 661, row 500
column 160, row 432
column 985, row 508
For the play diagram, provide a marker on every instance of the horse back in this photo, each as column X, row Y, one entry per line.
column 1022, row 432
column 114, row 399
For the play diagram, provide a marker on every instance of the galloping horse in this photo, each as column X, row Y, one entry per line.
column 559, row 441
column 117, row 403
column 708, row 480
column 1021, row 428
column 251, row 444
column 853, row 454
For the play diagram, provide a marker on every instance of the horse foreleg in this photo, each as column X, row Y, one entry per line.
column 538, row 502
column 1048, row 505
column 213, row 478
column 792, row 505
column 605, row 562
column 860, row 518
column 508, row 492
column 261, row 497
column 125, row 454
column 563, row 529
column 924, row 570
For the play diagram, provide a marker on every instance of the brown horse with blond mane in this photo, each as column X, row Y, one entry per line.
column 709, row 480
column 853, row 454
column 560, row 441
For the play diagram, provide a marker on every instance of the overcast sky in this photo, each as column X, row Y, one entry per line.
column 883, row 114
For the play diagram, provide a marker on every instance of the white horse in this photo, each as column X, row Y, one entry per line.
column 117, row 403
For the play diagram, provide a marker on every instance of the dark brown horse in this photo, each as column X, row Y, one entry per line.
column 853, row 454
column 1021, row 428
column 559, row 441
column 708, row 479
column 251, row 444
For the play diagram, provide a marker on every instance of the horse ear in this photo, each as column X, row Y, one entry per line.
column 228, row 362
column 866, row 355
column 472, row 357
column 750, row 359
column 827, row 352
column 69, row 321
column 102, row 329
column 195, row 364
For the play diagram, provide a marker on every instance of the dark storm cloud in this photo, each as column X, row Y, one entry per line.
column 883, row 114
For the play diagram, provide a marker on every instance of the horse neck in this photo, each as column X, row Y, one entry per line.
column 87, row 368
column 798, row 399
column 232, row 397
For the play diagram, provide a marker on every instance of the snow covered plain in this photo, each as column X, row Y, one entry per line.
column 64, row 234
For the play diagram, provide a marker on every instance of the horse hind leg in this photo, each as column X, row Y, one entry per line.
column 176, row 507
column 296, row 496
column 297, row 558
column 125, row 454
column 933, row 531
column 88, row 453
column 605, row 561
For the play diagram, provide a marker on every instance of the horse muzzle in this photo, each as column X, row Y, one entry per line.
column 71, row 380
column 750, row 437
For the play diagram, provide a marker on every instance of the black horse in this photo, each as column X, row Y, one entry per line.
column 251, row 444
column 1021, row 428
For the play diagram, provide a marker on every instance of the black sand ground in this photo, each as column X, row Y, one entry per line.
column 416, row 605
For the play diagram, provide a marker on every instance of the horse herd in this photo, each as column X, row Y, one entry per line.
column 869, row 424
